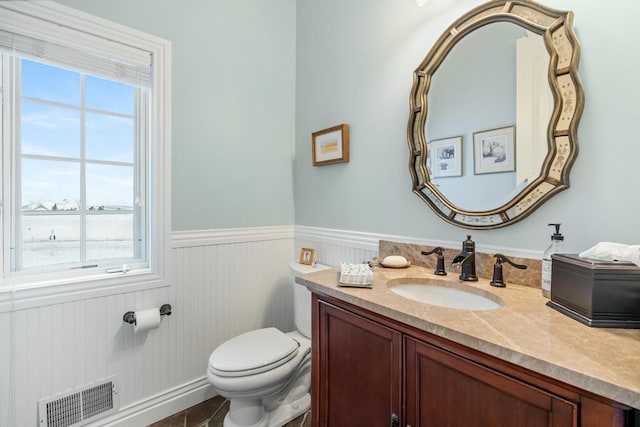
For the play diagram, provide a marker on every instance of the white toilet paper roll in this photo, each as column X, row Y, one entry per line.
column 147, row 319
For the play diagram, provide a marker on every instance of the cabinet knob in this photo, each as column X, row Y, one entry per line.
column 395, row 420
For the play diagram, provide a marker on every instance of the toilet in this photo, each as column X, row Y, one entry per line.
column 266, row 373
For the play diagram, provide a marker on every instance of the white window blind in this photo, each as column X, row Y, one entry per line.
column 113, row 68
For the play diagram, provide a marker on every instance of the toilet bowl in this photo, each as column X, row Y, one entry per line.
column 266, row 373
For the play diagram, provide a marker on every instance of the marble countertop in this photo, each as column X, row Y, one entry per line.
column 524, row 331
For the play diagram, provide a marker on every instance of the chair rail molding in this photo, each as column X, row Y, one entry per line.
column 219, row 236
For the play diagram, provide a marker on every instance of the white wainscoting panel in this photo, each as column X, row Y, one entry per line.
column 6, row 382
column 222, row 287
column 333, row 247
column 226, row 282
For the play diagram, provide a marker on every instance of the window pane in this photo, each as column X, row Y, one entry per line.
column 109, row 138
column 109, row 236
column 50, row 239
column 109, row 187
column 111, row 96
column 50, row 83
column 50, row 185
column 49, row 130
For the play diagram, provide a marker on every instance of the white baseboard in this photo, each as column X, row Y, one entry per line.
column 160, row 406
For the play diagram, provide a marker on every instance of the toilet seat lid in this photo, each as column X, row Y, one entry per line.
column 256, row 351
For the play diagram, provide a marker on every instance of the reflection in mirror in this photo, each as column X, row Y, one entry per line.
column 494, row 77
column 494, row 111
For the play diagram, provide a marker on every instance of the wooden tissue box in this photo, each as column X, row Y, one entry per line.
column 597, row 293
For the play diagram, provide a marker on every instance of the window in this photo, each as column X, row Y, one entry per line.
column 85, row 145
column 75, row 152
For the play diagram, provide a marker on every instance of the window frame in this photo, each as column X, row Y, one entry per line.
column 60, row 24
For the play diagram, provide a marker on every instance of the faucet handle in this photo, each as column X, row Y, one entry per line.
column 498, row 279
column 439, row 260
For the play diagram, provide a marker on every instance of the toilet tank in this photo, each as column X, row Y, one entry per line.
column 302, row 297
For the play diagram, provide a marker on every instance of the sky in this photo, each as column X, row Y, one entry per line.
column 51, row 125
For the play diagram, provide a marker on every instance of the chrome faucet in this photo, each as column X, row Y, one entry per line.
column 466, row 260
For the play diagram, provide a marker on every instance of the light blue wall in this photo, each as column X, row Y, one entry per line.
column 233, row 105
column 238, row 66
column 354, row 65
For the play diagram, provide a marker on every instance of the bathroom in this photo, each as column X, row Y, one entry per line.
column 251, row 81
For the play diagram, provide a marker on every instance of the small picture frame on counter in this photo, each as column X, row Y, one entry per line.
column 307, row 256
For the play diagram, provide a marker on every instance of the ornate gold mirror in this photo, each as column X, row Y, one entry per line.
column 503, row 97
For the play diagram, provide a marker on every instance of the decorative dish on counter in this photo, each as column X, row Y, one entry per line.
column 391, row 261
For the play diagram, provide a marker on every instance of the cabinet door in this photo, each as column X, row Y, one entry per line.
column 443, row 389
column 357, row 370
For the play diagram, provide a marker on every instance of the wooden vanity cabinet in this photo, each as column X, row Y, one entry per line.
column 357, row 370
column 368, row 370
column 443, row 389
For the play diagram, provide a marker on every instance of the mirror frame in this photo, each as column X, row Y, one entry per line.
column 555, row 27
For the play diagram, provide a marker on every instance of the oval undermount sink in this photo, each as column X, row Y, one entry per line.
column 453, row 295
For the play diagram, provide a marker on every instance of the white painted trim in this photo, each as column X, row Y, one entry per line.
column 160, row 406
column 356, row 239
column 37, row 18
column 24, row 298
column 70, row 21
column 370, row 241
column 220, row 236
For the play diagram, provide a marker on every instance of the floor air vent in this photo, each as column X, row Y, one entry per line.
column 80, row 406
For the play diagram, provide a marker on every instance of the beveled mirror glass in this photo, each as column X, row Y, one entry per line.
column 502, row 78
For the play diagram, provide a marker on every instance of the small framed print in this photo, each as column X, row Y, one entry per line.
column 445, row 157
column 306, row 256
column 494, row 150
column 329, row 146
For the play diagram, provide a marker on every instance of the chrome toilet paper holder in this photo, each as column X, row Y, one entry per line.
column 130, row 316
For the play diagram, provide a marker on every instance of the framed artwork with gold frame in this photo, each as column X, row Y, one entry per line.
column 329, row 146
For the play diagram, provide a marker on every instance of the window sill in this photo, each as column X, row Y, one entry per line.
column 14, row 298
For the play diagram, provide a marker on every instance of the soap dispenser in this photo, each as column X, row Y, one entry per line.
column 557, row 246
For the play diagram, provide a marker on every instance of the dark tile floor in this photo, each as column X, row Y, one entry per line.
column 211, row 413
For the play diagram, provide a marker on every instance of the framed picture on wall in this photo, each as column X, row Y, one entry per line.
column 445, row 157
column 306, row 256
column 329, row 146
column 494, row 150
